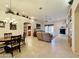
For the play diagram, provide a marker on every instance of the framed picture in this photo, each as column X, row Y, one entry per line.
column 2, row 24
column 38, row 26
column 12, row 26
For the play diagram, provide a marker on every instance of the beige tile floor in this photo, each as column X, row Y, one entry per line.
column 40, row 49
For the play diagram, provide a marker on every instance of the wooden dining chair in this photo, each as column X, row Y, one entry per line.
column 13, row 44
column 2, row 45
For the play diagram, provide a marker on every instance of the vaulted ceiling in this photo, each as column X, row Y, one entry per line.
column 40, row 9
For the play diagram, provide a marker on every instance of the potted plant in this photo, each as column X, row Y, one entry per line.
column 70, row 2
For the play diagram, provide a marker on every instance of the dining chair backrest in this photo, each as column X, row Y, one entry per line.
column 15, row 40
column 7, row 35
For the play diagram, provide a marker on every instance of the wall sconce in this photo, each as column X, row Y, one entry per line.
column 5, row 21
column 14, row 22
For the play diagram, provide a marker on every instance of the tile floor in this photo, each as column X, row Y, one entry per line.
column 35, row 48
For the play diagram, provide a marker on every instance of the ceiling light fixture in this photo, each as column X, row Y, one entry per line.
column 40, row 8
column 7, row 6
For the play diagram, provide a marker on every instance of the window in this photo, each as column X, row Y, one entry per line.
column 49, row 29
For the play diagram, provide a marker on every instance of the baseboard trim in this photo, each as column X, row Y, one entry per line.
column 76, row 53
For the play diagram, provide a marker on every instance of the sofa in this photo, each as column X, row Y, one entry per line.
column 44, row 36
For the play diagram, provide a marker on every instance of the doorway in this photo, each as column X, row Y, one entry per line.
column 27, row 29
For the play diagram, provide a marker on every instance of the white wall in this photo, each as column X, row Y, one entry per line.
column 42, row 25
column 20, row 24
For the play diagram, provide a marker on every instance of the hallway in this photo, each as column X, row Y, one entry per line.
column 36, row 48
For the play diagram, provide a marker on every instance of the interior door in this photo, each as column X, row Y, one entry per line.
column 25, row 28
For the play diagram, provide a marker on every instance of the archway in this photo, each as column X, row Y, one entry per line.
column 75, row 32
